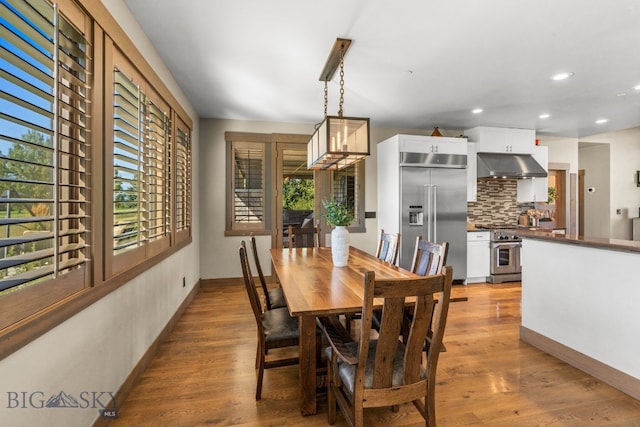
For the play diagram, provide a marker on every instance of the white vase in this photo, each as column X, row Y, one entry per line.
column 340, row 246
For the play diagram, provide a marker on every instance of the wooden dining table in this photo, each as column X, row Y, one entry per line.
column 313, row 287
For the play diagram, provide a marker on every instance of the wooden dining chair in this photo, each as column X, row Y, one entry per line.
column 429, row 257
column 276, row 328
column 388, row 246
column 304, row 237
column 385, row 371
column 274, row 298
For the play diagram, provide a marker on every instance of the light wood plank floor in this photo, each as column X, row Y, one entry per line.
column 203, row 374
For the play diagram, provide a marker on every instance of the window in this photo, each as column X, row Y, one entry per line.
column 69, row 94
column 248, row 199
column 44, row 152
column 139, row 205
column 348, row 187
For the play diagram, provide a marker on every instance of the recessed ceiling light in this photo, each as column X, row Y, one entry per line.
column 544, row 116
column 602, row 121
column 561, row 76
column 477, row 110
column 637, row 87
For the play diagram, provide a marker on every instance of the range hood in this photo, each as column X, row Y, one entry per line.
column 508, row 165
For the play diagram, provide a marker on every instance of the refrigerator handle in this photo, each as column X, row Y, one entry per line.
column 435, row 214
column 430, row 210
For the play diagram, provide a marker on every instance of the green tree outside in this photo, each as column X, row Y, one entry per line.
column 298, row 194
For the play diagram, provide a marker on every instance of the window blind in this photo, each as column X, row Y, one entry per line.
column 183, row 174
column 158, row 172
column 44, row 144
column 129, row 221
column 248, row 179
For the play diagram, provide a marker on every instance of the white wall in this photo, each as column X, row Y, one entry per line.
column 624, row 162
column 95, row 350
column 218, row 254
column 594, row 159
column 562, row 150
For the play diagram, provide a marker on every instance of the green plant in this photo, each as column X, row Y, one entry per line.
column 552, row 195
column 337, row 213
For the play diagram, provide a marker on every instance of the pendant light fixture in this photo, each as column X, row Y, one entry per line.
column 338, row 141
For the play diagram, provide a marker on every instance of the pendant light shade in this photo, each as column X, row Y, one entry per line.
column 338, row 141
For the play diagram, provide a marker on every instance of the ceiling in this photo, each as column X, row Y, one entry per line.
column 412, row 63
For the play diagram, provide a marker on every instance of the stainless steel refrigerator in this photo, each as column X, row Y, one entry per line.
column 430, row 201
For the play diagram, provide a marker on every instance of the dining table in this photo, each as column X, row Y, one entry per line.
column 313, row 287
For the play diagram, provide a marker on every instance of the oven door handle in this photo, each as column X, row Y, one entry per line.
column 506, row 244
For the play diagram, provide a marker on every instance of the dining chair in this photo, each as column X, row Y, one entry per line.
column 274, row 298
column 304, row 237
column 385, row 371
column 429, row 257
column 388, row 246
column 276, row 328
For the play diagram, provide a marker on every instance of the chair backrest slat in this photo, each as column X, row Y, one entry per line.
column 252, row 292
column 256, row 260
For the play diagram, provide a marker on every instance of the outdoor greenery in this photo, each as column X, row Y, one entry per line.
column 297, row 194
column 337, row 213
column 552, row 195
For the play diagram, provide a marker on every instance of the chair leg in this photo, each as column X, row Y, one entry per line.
column 331, row 397
column 260, row 375
column 258, row 353
column 358, row 415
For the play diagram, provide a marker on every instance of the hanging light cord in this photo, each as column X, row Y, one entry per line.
column 341, row 81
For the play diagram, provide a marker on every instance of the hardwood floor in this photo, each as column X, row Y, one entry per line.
column 204, row 374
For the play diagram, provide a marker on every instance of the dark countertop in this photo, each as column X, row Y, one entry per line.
column 593, row 242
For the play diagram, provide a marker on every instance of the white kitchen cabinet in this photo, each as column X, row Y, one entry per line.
column 536, row 189
column 502, row 140
column 431, row 144
column 472, row 173
column 478, row 256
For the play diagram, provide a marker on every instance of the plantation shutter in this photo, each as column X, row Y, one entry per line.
column 158, row 170
column 248, row 185
column 44, row 144
column 183, row 174
column 129, row 220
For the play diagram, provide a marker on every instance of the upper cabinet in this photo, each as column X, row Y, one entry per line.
column 430, row 144
column 502, row 140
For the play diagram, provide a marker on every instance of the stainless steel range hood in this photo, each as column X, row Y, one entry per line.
column 508, row 165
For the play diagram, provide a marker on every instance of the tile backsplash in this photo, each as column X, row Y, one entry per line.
column 496, row 202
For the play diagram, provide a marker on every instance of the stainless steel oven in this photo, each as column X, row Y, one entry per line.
column 505, row 257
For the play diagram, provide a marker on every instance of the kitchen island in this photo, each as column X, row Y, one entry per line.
column 581, row 304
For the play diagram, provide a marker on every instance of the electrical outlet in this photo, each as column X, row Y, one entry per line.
column 184, row 282
column 618, row 211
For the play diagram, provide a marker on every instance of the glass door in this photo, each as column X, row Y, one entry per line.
column 295, row 198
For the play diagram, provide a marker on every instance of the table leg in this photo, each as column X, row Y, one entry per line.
column 307, row 354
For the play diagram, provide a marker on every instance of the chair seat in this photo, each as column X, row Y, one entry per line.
column 279, row 325
column 276, row 297
column 347, row 372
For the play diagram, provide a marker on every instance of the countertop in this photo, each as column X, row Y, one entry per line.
column 569, row 239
